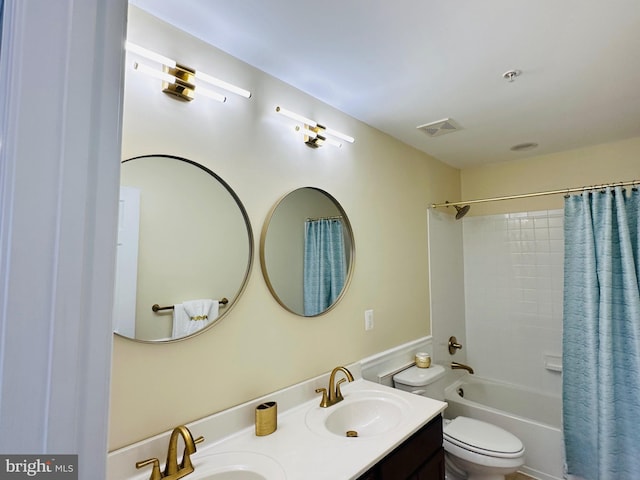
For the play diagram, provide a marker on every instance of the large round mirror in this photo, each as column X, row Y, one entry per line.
column 307, row 251
column 185, row 249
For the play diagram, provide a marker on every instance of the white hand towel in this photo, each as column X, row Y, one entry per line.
column 193, row 315
column 181, row 321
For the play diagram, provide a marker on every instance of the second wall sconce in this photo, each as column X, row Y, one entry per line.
column 315, row 135
column 179, row 81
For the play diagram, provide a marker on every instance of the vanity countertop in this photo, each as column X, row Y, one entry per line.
column 300, row 447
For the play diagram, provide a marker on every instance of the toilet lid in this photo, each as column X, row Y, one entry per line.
column 482, row 437
column 419, row 377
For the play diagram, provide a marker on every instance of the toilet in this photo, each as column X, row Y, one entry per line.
column 474, row 450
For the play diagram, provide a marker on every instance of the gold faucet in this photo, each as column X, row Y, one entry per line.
column 173, row 471
column 335, row 395
column 461, row 366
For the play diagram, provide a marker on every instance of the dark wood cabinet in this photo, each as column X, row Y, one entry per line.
column 370, row 475
column 432, row 469
column 420, row 457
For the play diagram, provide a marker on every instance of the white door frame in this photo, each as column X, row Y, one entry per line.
column 61, row 85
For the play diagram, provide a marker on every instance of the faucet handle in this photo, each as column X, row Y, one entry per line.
column 325, row 401
column 338, row 392
column 155, row 472
column 454, row 345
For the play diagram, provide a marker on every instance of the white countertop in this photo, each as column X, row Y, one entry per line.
column 298, row 448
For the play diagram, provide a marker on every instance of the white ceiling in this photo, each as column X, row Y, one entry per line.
column 397, row 64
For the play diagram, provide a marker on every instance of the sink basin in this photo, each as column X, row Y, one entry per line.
column 360, row 414
column 236, row 466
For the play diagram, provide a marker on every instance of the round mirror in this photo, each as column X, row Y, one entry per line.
column 185, row 249
column 307, row 252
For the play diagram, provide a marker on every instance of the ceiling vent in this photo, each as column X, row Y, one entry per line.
column 441, row 127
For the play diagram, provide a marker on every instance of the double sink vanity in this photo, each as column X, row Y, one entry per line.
column 373, row 433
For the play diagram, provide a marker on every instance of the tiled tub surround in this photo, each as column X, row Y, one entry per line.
column 300, row 451
column 513, row 269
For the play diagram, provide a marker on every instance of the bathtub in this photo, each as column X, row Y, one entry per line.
column 533, row 417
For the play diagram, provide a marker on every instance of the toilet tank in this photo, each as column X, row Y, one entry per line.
column 428, row 382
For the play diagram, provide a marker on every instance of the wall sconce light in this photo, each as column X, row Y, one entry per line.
column 179, row 81
column 315, row 135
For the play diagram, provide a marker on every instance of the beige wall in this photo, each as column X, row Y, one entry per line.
column 384, row 186
column 604, row 163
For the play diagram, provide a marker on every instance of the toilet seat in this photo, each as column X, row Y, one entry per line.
column 482, row 438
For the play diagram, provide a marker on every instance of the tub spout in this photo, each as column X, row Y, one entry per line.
column 461, row 366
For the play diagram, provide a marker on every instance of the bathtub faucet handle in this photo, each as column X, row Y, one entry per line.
column 454, row 345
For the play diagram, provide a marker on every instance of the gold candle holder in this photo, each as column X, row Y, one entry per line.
column 423, row 360
column 266, row 418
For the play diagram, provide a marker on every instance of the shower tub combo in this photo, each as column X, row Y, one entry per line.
column 535, row 418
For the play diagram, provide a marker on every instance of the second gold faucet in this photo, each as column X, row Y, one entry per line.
column 335, row 395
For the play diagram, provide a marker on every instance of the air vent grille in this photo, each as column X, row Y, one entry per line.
column 441, row 127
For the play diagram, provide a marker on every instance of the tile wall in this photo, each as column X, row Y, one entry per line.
column 513, row 279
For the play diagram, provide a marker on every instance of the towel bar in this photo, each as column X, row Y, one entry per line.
column 156, row 308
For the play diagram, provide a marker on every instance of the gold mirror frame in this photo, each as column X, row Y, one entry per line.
column 244, row 277
column 350, row 249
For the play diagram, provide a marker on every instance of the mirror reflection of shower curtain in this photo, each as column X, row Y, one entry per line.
column 324, row 264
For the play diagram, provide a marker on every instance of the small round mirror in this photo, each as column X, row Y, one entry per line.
column 307, row 251
column 185, row 249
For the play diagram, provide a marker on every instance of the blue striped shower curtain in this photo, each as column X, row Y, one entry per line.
column 601, row 335
column 324, row 264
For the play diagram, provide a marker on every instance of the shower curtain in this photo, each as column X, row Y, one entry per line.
column 324, row 264
column 601, row 335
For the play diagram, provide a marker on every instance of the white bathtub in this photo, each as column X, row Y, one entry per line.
column 533, row 417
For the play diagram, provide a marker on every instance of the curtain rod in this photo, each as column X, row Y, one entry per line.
column 537, row 194
column 336, row 217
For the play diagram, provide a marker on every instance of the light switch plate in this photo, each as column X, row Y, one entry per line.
column 368, row 319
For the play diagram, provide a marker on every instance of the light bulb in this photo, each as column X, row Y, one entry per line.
column 156, row 57
column 342, row 136
column 333, row 142
column 295, row 116
column 322, row 139
column 222, row 84
column 164, row 76
column 210, row 94
column 306, row 131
